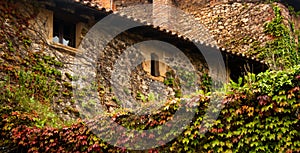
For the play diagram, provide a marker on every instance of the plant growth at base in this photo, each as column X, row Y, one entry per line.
column 259, row 115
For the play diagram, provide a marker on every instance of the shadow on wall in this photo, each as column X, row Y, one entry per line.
column 294, row 3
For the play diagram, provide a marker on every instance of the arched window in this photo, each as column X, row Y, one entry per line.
column 154, row 65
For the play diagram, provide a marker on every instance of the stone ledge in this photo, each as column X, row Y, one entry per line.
column 65, row 49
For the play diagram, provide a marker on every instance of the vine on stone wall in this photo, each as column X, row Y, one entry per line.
column 260, row 115
column 28, row 80
column 282, row 51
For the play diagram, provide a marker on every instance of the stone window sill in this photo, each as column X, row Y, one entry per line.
column 64, row 48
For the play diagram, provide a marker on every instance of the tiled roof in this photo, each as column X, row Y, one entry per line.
column 93, row 4
column 181, row 33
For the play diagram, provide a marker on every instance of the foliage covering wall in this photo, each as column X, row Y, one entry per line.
column 261, row 113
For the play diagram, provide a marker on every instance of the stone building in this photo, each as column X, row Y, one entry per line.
column 62, row 26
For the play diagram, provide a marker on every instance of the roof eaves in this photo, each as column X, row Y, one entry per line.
column 94, row 5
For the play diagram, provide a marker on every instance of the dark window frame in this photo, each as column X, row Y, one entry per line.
column 64, row 31
column 154, row 65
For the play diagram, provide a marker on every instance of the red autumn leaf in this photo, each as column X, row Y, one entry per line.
column 220, row 130
column 84, row 142
column 15, row 113
column 151, row 136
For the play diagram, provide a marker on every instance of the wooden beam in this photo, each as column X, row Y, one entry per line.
column 67, row 15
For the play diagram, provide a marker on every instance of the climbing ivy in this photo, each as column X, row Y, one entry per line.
column 261, row 112
column 29, row 80
column 282, row 51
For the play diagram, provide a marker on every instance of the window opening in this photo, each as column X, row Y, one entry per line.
column 64, row 33
column 154, row 65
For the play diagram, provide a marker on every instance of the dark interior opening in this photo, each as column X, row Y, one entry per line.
column 154, row 65
column 64, row 32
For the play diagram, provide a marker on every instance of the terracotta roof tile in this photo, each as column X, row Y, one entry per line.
column 93, row 4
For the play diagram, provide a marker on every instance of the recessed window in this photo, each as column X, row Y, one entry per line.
column 64, row 33
column 154, row 65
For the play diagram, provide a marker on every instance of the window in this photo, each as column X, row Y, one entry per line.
column 64, row 33
column 62, row 29
column 154, row 65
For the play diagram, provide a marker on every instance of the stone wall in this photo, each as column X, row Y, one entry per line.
column 194, row 4
column 140, row 80
column 234, row 26
column 125, row 3
column 237, row 25
column 40, row 33
column 120, row 55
